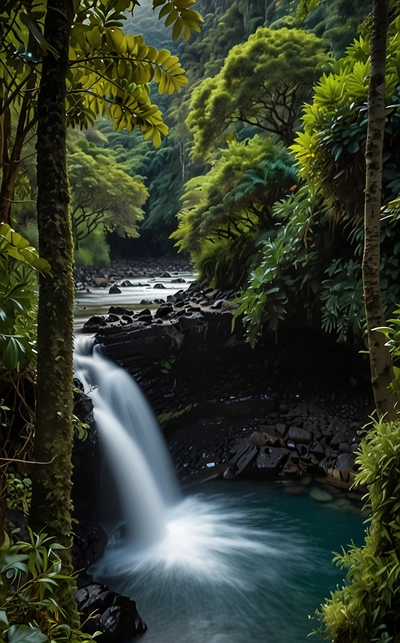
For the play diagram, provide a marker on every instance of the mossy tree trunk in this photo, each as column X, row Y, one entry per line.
column 51, row 504
column 380, row 360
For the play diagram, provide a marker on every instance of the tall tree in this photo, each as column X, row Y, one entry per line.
column 380, row 360
column 53, row 428
column 263, row 84
column 108, row 72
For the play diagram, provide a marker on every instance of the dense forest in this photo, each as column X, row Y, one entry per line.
column 261, row 140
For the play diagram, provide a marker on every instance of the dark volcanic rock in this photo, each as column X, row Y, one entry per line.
column 93, row 324
column 270, row 460
column 115, row 616
column 163, row 311
column 114, row 290
column 119, row 310
column 345, row 460
column 299, row 436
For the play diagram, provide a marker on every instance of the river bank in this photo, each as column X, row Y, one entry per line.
column 293, row 406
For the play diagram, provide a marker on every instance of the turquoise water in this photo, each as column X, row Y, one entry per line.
column 241, row 563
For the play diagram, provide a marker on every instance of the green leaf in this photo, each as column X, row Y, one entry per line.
column 25, row 634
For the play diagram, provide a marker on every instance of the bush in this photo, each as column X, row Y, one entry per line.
column 367, row 607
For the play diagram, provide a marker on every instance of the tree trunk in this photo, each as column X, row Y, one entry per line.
column 380, row 360
column 51, row 505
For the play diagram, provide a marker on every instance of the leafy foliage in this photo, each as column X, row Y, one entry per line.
column 392, row 333
column 262, row 84
column 109, row 72
column 18, row 299
column 19, row 492
column 330, row 151
column 29, row 571
column 366, row 608
column 232, row 203
column 290, row 263
column 102, row 193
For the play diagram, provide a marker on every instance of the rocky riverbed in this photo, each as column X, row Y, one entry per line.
column 293, row 406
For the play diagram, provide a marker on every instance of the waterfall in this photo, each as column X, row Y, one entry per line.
column 131, row 441
column 205, row 560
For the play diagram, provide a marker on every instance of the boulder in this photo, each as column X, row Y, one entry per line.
column 115, row 616
column 163, row 311
column 114, row 290
column 258, row 439
column 299, row 436
column 270, row 460
column 345, row 461
column 93, row 324
column 245, row 461
column 100, row 282
column 119, row 310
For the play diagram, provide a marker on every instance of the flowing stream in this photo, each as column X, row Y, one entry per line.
column 233, row 563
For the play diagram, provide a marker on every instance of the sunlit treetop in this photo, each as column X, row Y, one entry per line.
column 109, row 71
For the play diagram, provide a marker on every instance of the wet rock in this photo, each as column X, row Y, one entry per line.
column 317, row 450
column 299, row 436
column 114, row 290
column 344, row 447
column 320, row 495
column 119, row 310
column 322, row 467
column 178, row 280
column 100, row 282
column 270, row 460
column 281, row 430
column 258, row 439
column 93, row 324
column 163, row 311
column 345, row 460
column 244, row 462
column 146, row 302
column 117, row 616
column 126, row 284
column 283, row 408
column 159, row 286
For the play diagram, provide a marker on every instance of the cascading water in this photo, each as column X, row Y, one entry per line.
column 206, row 568
column 138, row 459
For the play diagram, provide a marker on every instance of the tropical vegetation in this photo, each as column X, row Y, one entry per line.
column 261, row 181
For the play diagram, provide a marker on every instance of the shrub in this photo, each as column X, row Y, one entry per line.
column 367, row 607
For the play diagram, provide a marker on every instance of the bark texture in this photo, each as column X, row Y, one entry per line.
column 11, row 154
column 380, row 360
column 51, row 505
